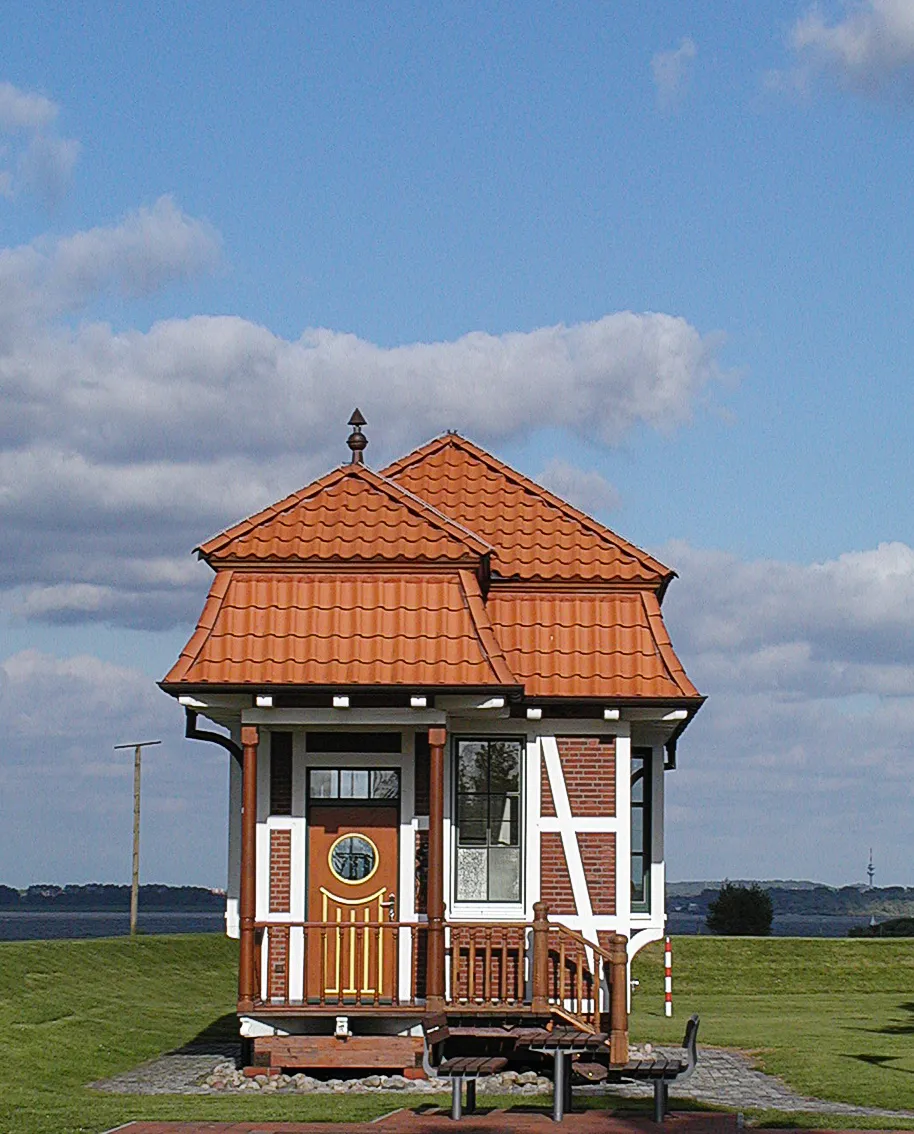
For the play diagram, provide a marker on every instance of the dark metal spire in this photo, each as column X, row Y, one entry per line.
column 357, row 441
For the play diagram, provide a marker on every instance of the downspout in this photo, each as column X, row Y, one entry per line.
column 193, row 733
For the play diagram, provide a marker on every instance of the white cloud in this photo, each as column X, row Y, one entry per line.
column 585, row 488
column 37, row 159
column 801, row 755
column 869, row 49
column 670, row 71
column 60, row 775
column 24, row 110
column 117, row 446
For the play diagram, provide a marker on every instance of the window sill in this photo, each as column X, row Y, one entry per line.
column 486, row 911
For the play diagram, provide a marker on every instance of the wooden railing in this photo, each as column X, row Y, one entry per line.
column 487, row 964
column 343, row 964
column 538, row 968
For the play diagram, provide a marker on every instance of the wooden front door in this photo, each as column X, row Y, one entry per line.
column 352, row 878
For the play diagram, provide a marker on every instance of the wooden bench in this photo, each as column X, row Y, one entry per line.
column 458, row 1068
column 662, row 1070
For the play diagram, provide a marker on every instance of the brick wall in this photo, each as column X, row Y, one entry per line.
column 555, row 885
column 598, row 856
column 589, row 767
column 280, row 902
column 547, row 806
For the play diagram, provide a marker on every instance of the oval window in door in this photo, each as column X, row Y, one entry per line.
column 353, row 858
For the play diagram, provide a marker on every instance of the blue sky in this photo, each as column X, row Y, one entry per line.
column 186, row 197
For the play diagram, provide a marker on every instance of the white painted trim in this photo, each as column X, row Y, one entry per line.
column 406, row 890
column 532, row 807
column 351, row 718
column 590, row 823
column 570, row 844
column 657, row 855
column 624, row 833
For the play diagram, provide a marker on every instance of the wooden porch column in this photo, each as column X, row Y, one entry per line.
column 437, row 738
column 540, row 966
column 248, row 977
column 618, row 999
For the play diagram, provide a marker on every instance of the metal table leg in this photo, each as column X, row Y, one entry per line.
column 456, row 1097
column 558, row 1086
column 471, row 1096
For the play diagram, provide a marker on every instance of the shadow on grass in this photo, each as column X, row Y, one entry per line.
column 903, row 1029
column 218, row 1033
column 882, row 1061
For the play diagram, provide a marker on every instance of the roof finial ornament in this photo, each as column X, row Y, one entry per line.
column 357, row 441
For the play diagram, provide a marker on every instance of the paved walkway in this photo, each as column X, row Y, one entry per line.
column 722, row 1078
column 516, row 1120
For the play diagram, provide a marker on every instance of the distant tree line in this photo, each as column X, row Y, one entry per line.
column 894, row 927
column 99, row 897
column 885, row 900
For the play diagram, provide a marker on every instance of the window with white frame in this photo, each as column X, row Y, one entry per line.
column 641, row 829
column 488, row 859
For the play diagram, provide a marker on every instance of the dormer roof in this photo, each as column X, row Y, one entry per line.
column 351, row 515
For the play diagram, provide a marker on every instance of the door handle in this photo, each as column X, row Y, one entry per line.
column 390, row 905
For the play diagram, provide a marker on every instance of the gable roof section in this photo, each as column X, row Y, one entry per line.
column 415, row 629
column 580, row 644
column 538, row 535
column 351, row 514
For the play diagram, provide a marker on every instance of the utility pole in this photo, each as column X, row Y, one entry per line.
column 137, row 747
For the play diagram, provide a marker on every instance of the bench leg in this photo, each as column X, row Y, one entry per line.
column 661, row 1100
column 471, row 1096
column 456, row 1097
column 558, row 1086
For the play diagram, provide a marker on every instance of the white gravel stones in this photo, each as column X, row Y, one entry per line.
column 224, row 1077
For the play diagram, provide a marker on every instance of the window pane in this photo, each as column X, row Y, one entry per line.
column 472, row 766
column 471, row 874
column 504, row 765
column 503, row 820
column 637, row 878
column 472, row 814
column 638, row 789
column 353, row 783
column 352, row 858
column 504, row 875
column 385, row 784
column 323, row 783
column 637, row 830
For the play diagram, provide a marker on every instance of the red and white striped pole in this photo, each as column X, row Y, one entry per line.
column 668, row 978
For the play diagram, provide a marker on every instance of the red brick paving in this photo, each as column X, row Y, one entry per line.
column 516, row 1120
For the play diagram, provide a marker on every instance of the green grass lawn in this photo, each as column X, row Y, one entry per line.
column 834, row 1018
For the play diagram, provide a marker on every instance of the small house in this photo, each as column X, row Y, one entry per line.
column 451, row 702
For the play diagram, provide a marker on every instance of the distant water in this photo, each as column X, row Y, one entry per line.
column 784, row 925
column 41, row 926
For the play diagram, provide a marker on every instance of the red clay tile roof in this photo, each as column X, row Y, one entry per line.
column 580, row 644
column 372, row 580
column 350, row 514
column 536, row 534
column 262, row 629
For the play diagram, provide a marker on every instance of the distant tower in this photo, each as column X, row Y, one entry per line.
column 869, row 870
